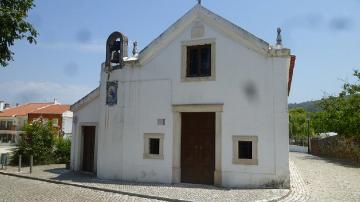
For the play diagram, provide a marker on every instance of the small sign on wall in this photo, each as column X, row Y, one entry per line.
column 111, row 93
column 161, row 122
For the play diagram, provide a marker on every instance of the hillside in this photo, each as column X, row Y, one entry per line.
column 310, row 106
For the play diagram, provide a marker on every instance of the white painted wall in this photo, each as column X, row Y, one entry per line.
column 148, row 92
column 88, row 115
column 67, row 122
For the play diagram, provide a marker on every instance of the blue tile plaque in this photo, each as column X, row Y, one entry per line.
column 111, row 93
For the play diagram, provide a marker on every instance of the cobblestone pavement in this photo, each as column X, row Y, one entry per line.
column 299, row 191
column 185, row 192
column 19, row 189
column 327, row 180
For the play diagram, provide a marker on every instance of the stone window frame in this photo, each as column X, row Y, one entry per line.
column 184, row 46
column 235, row 158
column 147, row 137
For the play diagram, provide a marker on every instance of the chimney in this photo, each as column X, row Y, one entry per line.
column 2, row 105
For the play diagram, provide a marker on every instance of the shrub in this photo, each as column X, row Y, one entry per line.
column 38, row 140
column 62, row 150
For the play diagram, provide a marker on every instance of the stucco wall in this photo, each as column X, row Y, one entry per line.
column 67, row 122
column 148, row 92
column 87, row 115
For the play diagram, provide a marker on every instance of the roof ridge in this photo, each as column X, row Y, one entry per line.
column 198, row 11
column 169, row 28
column 235, row 25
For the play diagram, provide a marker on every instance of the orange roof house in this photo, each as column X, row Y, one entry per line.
column 53, row 112
column 52, row 109
column 13, row 119
column 23, row 110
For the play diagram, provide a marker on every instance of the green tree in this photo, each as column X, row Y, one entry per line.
column 298, row 128
column 341, row 114
column 13, row 26
column 38, row 140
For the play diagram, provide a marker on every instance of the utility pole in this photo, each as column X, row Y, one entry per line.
column 308, row 130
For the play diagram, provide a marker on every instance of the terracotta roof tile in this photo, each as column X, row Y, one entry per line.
column 291, row 72
column 23, row 110
column 52, row 109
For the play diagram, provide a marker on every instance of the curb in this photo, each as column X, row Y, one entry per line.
column 95, row 188
column 117, row 191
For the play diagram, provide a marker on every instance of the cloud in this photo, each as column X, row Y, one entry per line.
column 22, row 92
column 80, row 47
column 313, row 21
column 308, row 21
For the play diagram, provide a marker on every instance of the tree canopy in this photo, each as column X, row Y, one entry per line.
column 340, row 114
column 38, row 140
column 13, row 26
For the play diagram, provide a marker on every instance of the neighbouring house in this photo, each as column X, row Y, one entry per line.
column 12, row 119
column 205, row 103
column 59, row 114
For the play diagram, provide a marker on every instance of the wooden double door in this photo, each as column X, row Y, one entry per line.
column 88, row 148
column 198, row 147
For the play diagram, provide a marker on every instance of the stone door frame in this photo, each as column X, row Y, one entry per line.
column 176, row 160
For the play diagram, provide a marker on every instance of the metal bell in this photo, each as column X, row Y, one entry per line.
column 115, row 57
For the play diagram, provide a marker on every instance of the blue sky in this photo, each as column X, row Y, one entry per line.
column 65, row 64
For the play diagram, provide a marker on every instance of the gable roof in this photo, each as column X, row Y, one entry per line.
column 23, row 110
column 52, row 109
column 85, row 100
column 199, row 12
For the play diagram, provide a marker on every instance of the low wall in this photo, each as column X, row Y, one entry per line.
column 337, row 147
column 297, row 148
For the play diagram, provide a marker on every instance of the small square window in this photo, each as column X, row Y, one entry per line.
column 245, row 150
column 154, row 146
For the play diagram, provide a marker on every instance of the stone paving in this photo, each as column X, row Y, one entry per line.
column 328, row 179
column 185, row 192
column 312, row 179
column 299, row 191
column 20, row 189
